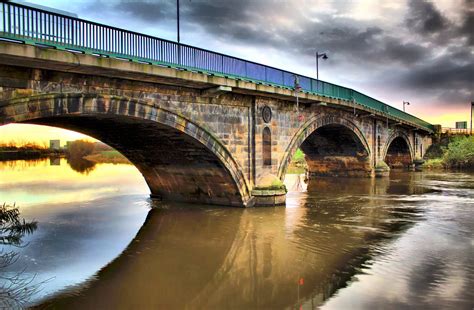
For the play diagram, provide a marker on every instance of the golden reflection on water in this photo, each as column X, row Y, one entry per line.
column 28, row 183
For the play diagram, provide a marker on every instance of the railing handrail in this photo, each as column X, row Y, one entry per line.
column 179, row 46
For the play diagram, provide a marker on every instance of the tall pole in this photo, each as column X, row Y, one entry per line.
column 317, row 66
column 177, row 24
column 472, row 106
column 177, row 18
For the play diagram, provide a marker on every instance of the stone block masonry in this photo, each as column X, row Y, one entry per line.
column 195, row 137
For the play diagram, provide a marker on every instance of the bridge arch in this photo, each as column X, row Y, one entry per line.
column 179, row 159
column 398, row 150
column 324, row 125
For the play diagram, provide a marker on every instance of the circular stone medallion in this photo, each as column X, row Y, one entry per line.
column 267, row 114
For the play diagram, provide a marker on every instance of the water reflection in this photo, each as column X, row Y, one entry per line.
column 403, row 241
column 199, row 257
column 81, row 165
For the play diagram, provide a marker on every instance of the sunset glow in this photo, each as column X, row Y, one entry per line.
column 21, row 134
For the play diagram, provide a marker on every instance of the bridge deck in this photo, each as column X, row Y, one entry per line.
column 39, row 27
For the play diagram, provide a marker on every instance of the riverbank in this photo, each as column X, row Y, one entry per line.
column 107, row 157
column 27, row 153
column 451, row 153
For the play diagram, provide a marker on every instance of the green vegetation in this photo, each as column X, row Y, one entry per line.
column 436, row 163
column 298, row 163
column 457, row 152
column 382, row 165
column 110, row 156
column 276, row 185
column 298, row 158
column 460, row 153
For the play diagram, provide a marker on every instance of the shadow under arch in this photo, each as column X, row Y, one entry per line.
column 179, row 159
column 334, row 123
column 398, row 151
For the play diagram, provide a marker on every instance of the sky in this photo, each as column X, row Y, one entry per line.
column 400, row 50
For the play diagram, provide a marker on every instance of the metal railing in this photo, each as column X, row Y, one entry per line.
column 456, row 131
column 36, row 26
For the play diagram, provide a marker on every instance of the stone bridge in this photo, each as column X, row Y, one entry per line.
column 197, row 137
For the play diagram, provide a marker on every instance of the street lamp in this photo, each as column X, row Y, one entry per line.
column 405, row 103
column 323, row 56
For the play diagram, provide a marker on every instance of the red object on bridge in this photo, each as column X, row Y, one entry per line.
column 301, row 281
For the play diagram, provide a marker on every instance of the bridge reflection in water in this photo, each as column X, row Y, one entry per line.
column 197, row 257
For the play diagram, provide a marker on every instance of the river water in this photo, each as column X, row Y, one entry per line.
column 398, row 242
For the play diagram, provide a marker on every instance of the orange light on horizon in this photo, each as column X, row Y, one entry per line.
column 21, row 134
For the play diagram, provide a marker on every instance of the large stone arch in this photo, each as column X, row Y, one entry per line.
column 123, row 121
column 309, row 127
column 400, row 135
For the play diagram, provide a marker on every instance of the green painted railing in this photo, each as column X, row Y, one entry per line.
column 39, row 27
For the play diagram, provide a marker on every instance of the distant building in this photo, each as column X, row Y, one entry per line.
column 461, row 125
column 54, row 145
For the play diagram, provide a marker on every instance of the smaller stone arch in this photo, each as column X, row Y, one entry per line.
column 309, row 127
column 398, row 149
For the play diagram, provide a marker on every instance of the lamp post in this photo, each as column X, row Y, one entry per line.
column 472, row 107
column 318, row 55
column 405, row 103
column 177, row 19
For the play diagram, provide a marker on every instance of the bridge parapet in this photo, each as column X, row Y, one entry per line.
column 49, row 29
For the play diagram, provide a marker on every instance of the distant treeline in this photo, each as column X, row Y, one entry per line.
column 29, row 150
column 94, row 152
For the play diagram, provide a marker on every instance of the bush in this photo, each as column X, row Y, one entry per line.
column 436, row 163
column 80, row 148
column 298, row 159
column 460, row 153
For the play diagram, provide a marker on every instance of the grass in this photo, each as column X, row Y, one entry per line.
column 436, row 163
column 108, row 157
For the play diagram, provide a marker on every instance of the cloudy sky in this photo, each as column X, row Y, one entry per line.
column 395, row 50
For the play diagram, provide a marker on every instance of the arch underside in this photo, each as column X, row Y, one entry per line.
column 398, row 153
column 174, row 166
column 178, row 160
column 335, row 150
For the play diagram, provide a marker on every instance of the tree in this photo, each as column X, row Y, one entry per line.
column 80, row 148
column 14, row 289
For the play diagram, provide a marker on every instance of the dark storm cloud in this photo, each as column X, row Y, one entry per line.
column 467, row 27
column 425, row 18
column 426, row 51
column 442, row 73
column 146, row 10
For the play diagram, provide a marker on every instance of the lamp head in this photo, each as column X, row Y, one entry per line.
column 325, row 56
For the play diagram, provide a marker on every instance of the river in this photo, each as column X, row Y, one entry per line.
column 398, row 242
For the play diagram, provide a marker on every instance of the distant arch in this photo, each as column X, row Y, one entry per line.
column 310, row 127
column 398, row 149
